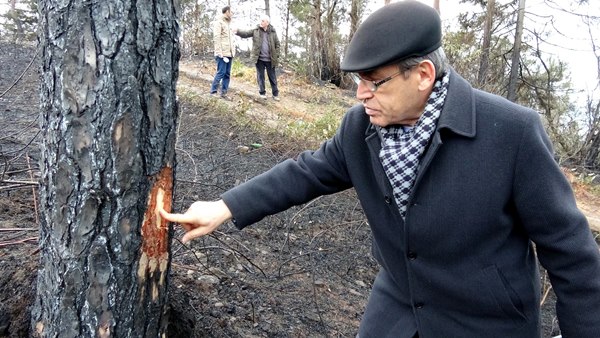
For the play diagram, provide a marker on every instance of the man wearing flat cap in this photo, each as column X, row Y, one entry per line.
column 460, row 189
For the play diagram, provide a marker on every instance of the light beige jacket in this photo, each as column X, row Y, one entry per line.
column 223, row 37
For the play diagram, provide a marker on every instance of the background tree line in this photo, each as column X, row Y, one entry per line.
column 497, row 45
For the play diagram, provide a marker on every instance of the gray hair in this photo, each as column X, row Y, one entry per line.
column 265, row 17
column 437, row 57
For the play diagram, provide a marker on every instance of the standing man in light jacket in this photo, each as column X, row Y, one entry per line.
column 460, row 188
column 265, row 51
column 224, row 52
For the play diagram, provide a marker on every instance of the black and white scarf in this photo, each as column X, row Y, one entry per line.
column 403, row 147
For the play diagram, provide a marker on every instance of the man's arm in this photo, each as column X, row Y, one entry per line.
column 564, row 243
column 289, row 183
column 245, row 33
column 276, row 40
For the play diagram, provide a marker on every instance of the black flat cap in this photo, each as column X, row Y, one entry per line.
column 393, row 33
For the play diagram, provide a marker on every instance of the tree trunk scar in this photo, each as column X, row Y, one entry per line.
column 39, row 328
column 155, row 233
column 106, row 324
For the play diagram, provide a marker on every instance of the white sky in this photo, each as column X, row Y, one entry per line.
column 573, row 46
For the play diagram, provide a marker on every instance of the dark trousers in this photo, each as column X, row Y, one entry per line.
column 222, row 76
column 261, row 66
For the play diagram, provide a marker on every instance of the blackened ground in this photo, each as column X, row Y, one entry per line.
column 305, row 272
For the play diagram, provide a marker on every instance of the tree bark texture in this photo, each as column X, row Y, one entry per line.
column 516, row 54
column 331, row 60
column 287, row 30
column 593, row 152
column 485, row 45
column 356, row 11
column 268, row 8
column 316, row 49
column 109, row 111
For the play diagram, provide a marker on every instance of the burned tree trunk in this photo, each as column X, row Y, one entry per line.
column 482, row 76
column 109, row 111
column 516, row 54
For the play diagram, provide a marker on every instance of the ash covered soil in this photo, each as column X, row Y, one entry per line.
column 305, row 272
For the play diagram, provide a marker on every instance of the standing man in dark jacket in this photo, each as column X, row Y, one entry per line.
column 460, row 189
column 265, row 51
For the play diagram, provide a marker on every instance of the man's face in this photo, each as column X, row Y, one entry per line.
column 396, row 101
column 264, row 24
column 229, row 14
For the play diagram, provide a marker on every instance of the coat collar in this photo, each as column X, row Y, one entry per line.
column 458, row 114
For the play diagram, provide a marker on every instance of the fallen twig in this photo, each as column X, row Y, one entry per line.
column 13, row 187
column 26, row 146
column 17, row 229
column 314, row 294
column 234, row 251
column 34, row 197
column 7, row 243
column 547, row 287
column 545, row 295
column 279, row 275
column 199, row 183
column 20, row 182
column 293, row 218
column 17, row 171
column 22, row 74
column 191, row 158
column 31, row 124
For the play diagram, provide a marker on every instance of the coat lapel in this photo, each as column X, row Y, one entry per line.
column 458, row 116
column 374, row 144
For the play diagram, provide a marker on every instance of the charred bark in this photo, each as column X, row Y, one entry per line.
column 516, row 54
column 482, row 76
column 109, row 111
column 593, row 153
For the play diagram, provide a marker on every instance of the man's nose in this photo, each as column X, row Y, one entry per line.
column 363, row 92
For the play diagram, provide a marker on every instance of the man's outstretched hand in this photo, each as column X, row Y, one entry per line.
column 200, row 219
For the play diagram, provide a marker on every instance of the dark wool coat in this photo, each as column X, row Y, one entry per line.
column 274, row 45
column 463, row 263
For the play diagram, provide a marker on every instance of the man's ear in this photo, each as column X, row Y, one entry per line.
column 426, row 71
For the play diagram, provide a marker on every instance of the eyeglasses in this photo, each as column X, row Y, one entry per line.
column 372, row 85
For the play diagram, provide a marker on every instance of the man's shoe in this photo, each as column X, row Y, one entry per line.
column 263, row 96
column 276, row 98
column 226, row 98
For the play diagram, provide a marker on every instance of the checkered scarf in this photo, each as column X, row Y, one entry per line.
column 402, row 147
